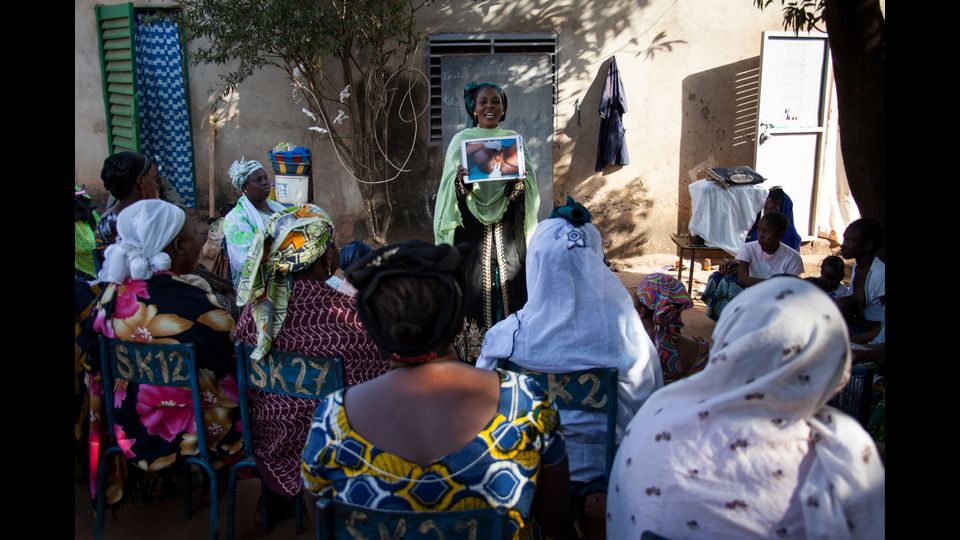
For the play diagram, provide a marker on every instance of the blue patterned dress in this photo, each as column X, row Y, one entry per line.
column 498, row 468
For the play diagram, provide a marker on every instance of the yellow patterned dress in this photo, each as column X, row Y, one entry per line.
column 498, row 468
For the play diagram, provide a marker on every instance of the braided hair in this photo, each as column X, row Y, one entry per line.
column 122, row 170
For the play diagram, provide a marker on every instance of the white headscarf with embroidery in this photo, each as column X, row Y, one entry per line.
column 748, row 448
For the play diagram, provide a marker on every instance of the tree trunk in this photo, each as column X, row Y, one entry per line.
column 857, row 40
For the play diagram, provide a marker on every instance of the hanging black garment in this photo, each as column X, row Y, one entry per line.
column 612, row 146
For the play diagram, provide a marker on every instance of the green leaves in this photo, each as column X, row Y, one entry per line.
column 256, row 33
column 799, row 16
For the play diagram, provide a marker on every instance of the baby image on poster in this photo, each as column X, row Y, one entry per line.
column 497, row 158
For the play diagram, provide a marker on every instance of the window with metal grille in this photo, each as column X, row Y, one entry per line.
column 444, row 44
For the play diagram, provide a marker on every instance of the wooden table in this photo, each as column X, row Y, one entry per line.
column 684, row 243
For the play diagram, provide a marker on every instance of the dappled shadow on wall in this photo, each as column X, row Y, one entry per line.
column 587, row 26
column 620, row 214
column 719, row 125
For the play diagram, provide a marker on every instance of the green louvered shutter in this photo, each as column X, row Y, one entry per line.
column 115, row 27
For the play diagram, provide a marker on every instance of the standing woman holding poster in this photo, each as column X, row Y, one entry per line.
column 496, row 217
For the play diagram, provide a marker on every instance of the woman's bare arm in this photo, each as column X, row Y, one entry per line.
column 743, row 275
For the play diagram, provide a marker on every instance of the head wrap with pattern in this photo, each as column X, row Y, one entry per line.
column 240, row 170
column 290, row 241
column 667, row 298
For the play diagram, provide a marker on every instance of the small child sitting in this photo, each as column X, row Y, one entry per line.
column 757, row 260
column 831, row 272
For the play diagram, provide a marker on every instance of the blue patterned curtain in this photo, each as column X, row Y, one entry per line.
column 162, row 98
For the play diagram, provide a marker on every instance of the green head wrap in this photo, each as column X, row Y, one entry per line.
column 291, row 241
column 574, row 212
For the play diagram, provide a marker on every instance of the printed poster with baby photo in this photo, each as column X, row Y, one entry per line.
column 496, row 158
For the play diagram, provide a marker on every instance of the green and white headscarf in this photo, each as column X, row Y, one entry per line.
column 240, row 170
column 290, row 241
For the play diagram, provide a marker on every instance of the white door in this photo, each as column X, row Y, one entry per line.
column 794, row 83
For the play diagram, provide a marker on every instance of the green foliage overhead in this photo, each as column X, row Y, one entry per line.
column 799, row 16
column 291, row 33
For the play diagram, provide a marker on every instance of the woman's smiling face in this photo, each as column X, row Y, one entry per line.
column 489, row 108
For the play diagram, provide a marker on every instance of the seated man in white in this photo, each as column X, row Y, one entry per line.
column 863, row 306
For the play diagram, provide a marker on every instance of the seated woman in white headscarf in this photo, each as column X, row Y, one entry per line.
column 578, row 316
column 147, row 299
column 748, row 448
column 252, row 211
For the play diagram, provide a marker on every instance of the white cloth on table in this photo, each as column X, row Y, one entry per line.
column 875, row 287
column 764, row 265
column 748, row 447
column 578, row 316
column 723, row 217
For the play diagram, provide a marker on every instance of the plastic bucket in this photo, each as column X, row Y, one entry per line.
column 291, row 189
column 296, row 164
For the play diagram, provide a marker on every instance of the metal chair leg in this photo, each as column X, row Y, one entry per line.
column 298, row 512
column 101, row 498
column 264, row 511
column 214, row 506
column 188, row 500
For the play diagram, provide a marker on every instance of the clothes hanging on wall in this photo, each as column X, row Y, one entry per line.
column 612, row 146
column 165, row 133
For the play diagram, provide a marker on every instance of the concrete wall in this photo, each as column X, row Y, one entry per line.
column 262, row 112
column 682, row 64
column 687, row 69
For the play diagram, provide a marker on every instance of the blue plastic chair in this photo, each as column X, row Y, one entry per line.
column 285, row 373
column 159, row 365
column 339, row 520
column 857, row 395
column 97, row 263
column 591, row 390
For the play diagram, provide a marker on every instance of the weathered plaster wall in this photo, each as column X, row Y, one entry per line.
column 682, row 64
column 253, row 119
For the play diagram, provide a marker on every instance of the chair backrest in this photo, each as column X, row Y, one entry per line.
column 343, row 520
column 154, row 364
column 97, row 263
column 285, row 373
column 591, row 390
column 856, row 396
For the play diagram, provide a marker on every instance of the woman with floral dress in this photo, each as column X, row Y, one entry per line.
column 146, row 300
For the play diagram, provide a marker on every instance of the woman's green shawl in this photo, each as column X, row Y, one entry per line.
column 486, row 201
